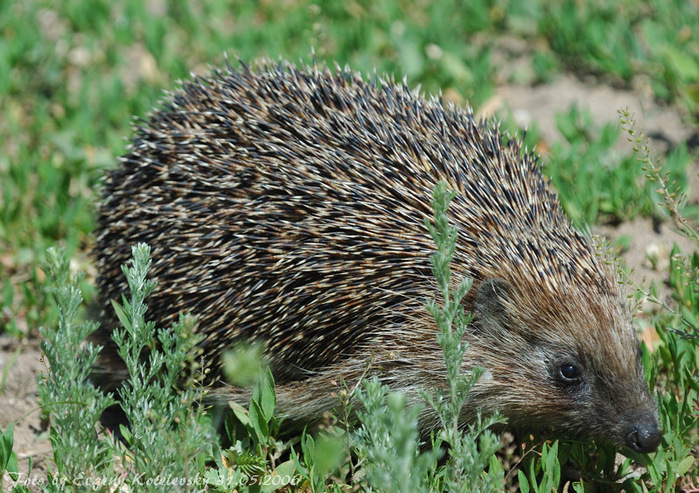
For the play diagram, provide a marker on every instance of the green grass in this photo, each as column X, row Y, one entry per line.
column 72, row 75
column 597, row 182
column 625, row 39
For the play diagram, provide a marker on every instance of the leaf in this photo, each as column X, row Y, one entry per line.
column 684, row 465
column 268, row 399
column 287, row 468
column 689, row 317
column 308, row 445
column 258, row 422
column 285, row 471
column 242, row 414
column 6, row 442
column 8, row 459
column 121, row 314
column 126, row 434
column 523, row 483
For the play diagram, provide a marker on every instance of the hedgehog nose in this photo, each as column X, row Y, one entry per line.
column 644, row 438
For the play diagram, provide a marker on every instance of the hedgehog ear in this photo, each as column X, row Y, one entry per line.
column 490, row 304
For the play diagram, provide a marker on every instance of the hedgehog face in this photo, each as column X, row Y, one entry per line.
column 601, row 403
column 544, row 369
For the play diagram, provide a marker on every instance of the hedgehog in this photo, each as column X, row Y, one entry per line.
column 286, row 204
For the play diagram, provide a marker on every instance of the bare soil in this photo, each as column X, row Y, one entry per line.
column 21, row 363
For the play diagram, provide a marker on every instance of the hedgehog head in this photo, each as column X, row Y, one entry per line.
column 569, row 353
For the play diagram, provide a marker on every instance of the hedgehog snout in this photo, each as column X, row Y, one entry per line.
column 644, row 437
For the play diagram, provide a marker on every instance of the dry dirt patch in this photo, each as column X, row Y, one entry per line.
column 19, row 405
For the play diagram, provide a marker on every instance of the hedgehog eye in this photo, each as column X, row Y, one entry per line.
column 569, row 373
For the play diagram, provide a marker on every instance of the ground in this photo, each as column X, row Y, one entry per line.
column 22, row 363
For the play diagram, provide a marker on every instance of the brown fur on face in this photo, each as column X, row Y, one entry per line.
column 287, row 206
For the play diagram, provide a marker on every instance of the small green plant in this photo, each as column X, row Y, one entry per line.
column 9, row 472
column 167, row 437
column 259, row 420
column 472, row 452
column 543, row 475
column 666, row 185
column 388, row 439
column 251, row 462
column 168, row 433
column 74, row 405
column 8, row 458
column 320, row 456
